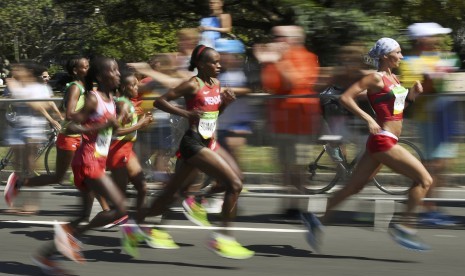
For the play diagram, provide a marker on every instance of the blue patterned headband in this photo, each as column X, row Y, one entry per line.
column 383, row 46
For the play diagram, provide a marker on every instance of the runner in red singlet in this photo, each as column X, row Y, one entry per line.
column 204, row 103
column 95, row 122
column 388, row 99
column 122, row 161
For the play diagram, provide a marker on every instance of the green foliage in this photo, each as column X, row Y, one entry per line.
column 330, row 28
column 55, row 68
column 135, row 40
column 52, row 30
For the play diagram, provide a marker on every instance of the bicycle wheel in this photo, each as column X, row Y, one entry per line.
column 393, row 183
column 50, row 159
column 323, row 174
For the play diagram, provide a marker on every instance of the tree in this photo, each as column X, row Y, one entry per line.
column 52, row 30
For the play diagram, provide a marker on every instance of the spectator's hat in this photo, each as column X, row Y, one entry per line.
column 418, row 30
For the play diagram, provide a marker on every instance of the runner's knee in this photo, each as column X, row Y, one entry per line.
column 235, row 185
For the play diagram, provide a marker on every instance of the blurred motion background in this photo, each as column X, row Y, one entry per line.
column 338, row 32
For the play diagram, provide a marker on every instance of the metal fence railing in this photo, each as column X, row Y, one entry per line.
column 444, row 113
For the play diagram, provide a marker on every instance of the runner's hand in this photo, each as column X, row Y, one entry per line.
column 417, row 88
column 374, row 127
column 146, row 119
column 228, row 96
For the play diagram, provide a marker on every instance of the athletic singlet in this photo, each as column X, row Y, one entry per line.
column 389, row 102
column 132, row 110
column 208, row 100
column 98, row 143
column 79, row 105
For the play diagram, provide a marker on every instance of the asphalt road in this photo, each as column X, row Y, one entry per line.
column 280, row 246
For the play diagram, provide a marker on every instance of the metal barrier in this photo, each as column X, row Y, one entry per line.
column 259, row 159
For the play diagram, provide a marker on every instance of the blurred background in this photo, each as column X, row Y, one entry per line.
column 338, row 33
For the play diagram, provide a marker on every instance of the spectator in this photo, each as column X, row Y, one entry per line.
column 159, row 138
column 235, row 122
column 165, row 71
column 29, row 120
column 429, row 62
column 45, row 76
column 290, row 71
column 215, row 24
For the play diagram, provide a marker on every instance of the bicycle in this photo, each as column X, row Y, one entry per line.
column 47, row 148
column 329, row 169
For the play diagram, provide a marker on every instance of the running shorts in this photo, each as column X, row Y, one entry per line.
column 192, row 142
column 119, row 154
column 85, row 168
column 65, row 142
column 381, row 142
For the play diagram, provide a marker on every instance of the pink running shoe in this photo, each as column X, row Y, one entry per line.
column 67, row 244
column 11, row 191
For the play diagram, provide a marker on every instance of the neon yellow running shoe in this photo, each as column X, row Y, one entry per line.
column 129, row 245
column 160, row 239
column 195, row 212
column 131, row 238
column 228, row 247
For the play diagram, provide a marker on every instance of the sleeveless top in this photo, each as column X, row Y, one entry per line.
column 389, row 102
column 208, row 100
column 79, row 105
column 134, row 118
column 97, row 143
column 208, row 38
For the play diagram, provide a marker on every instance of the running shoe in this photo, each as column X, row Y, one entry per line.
column 160, row 239
column 228, row 247
column 435, row 218
column 132, row 236
column 67, row 244
column 195, row 212
column 407, row 237
column 11, row 191
column 121, row 220
column 48, row 266
column 315, row 230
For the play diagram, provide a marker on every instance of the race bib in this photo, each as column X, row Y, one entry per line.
column 400, row 94
column 102, row 145
column 207, row 124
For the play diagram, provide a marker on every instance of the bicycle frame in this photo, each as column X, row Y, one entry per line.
column 338, row 170
column 52, row 133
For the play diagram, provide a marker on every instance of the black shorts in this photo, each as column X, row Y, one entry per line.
column 192, row 142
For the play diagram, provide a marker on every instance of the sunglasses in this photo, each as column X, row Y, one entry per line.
column 45, row 77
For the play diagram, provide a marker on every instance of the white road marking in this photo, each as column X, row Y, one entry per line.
column 192, row 227
column 446, row 236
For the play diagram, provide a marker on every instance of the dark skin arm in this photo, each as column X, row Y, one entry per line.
column 73, row 97
column 186, row 89
column 89, row 107
column 227, row 97
column 143, row 121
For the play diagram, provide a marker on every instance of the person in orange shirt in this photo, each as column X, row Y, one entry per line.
column 290, row 71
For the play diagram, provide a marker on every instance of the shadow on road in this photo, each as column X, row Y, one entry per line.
column 116, row 256
column 290, row 251
column 16, row 268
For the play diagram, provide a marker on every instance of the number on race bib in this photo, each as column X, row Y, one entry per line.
column 207, row 124
column 400, row 94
